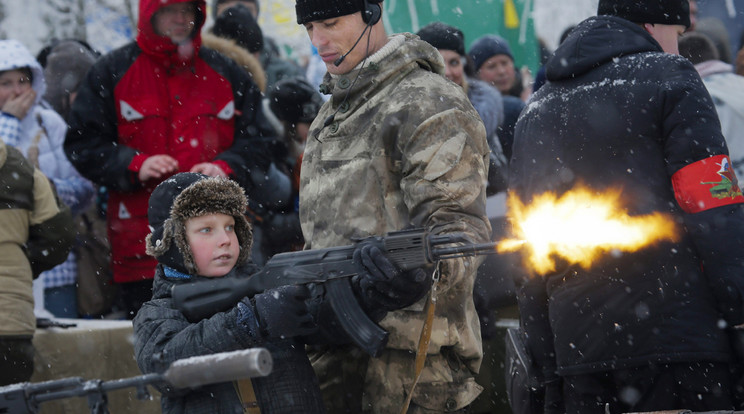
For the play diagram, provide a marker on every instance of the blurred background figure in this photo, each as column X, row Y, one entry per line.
column 540, row 78
column 236, row 23
column 39, row 133
column 725, row 87
column 276, row 66
column 37, row 234
column 493, row 63
column 718, row 34
column 295, row 103
column 65, row 63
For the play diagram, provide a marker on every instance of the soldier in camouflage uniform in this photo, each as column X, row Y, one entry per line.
column 396, row 145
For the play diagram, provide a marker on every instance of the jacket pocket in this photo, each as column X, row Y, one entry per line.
column 142, row 124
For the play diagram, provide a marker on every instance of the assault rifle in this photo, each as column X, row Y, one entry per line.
column 408, row 249
column 24, row 398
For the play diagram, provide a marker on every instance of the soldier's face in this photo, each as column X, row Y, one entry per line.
column 335, row 37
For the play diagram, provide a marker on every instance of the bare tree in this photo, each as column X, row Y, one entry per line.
column 70, row 18
column 64, row 19
column 129, row 8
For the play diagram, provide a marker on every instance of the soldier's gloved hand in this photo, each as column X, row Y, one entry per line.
column 278, row 313
column 381, row 285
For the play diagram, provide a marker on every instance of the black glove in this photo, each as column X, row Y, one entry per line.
column 381, row 285
column 282, row 312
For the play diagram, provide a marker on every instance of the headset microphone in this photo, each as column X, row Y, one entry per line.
column 371, row 15
column 341, row 58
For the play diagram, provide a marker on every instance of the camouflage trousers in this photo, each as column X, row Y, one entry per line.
column 352, row 382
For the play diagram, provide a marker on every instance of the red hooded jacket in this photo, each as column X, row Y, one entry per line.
column 154, row 97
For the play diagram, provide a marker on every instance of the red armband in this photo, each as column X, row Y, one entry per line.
column 706, row 184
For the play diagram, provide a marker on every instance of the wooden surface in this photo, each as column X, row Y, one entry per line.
column 93, row 350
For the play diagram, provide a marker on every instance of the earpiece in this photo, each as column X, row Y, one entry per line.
column 371, row 13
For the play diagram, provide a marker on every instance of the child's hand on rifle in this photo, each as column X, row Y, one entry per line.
column 278, row 313
column 381, row 285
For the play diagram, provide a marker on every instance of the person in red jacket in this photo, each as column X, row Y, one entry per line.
column 155, row 107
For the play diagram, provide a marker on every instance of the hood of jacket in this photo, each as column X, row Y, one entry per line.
column 14, row 55
column 596, row 41
column 713, row 67
column 242, row 57
column 159, row 46
column 66, row 66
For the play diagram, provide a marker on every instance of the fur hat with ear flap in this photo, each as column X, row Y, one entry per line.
column 187, row 195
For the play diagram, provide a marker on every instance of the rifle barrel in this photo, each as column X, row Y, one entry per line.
column 464, row 250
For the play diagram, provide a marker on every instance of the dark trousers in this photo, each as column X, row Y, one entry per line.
column 697, row 386
column 16, row 360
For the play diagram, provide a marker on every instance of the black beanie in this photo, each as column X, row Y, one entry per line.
column 312, row 10
column 187, row 195
column 443, row 36
column 237, row 23
column 218, row 2
column 648, row 11
column 294, row 100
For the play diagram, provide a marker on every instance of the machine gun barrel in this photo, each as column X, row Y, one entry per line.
column 191, row 372
column 333, row 266
column 464, row 250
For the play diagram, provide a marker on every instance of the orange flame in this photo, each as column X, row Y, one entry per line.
column 578, row 227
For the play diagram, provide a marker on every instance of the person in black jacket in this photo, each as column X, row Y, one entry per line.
column 650, row 330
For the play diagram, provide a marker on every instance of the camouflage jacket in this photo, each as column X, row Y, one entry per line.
column 38, row 234
column 405, row 147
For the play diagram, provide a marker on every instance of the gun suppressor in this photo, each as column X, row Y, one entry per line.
column 224, row 367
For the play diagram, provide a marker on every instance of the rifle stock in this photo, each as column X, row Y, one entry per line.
column 408, row 249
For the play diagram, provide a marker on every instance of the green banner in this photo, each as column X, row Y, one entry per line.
column 510, row 19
